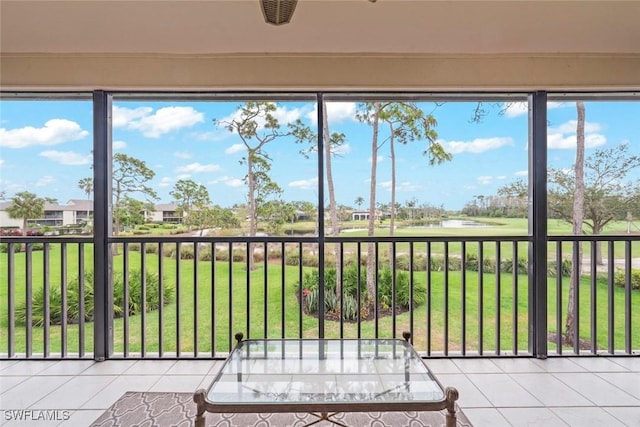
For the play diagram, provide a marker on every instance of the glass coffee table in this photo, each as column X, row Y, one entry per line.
column 324, row 377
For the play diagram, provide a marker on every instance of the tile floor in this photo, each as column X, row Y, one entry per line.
column 493, row 392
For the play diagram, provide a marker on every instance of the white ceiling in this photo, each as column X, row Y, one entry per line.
column 321, row 26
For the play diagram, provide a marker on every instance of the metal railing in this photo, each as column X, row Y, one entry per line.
column 177, row 297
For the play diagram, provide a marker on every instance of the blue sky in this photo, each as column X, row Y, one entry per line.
column 45, row 147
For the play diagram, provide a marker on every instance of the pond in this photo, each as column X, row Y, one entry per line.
column 454, row 223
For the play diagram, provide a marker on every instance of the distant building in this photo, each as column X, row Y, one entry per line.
column 79, row 212
column 364, row 215
column 75, row 212
column 166, row 212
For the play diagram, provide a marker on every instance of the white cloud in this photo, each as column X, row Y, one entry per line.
column 478, row 145
column 341, row 150
column 235, row 182
column 517, row 109
column 229, row 181
column 485, row 179
column 380, row 159
column 45, row 180
column 154, row 125
column 337, row 112
column 501, row 177
column 119, row 145
column 235, row 148
column 183, row 176
column 281, row 114
column 182, row 154
column 1, row 163
column 286, row 116
column 305, row 184
column 402, row 186
column 67, row 157
column 571, row 125
column 198, row 168
column 563, row 137
column 165, row 182
column 215, row 135
column 55, row 131
column 122, row 117
column 521, row 173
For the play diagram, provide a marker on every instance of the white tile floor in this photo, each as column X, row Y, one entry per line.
column 493, row 392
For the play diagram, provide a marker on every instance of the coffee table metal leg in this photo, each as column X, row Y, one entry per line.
column 199, row 398
column 451, row 395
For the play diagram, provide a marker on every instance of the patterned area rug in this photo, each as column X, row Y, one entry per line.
column 178, row 409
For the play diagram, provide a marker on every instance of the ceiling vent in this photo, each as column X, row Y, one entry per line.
column 278, row 12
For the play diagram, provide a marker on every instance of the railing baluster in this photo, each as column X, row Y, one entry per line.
column 594, row 305
column 559, row 274
column 359, row 291
column 446, row 298
column 265, row 295
column 81, row 303
column 283, row 297
column 498, row 297
column 627, row 298
column 514, row 318
column 63, row 297
column 411, row 290
column 230, row 332
column 160, row 301
column 480, row 297
column 577, row 263
column 393, row 290
column 125, row 298
column 29, row 300
column 178, row 343
column 11, row 299
column 610, row 295
column 196, row 257
column 143, row 301
column 429, row 283
column 249, row 255
column 377, row 290
column 463, row 293
column 301, row 295
column 46, row 304
column 213, row 298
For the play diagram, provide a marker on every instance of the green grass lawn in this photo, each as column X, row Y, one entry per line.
column 267, row 305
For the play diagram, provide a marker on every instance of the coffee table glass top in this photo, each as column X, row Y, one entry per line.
column 324, row 371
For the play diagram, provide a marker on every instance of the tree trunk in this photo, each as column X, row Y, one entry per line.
column 253, row 221
column 392, row 217
column 333, row 209
column 577, row 220
column 371, row 252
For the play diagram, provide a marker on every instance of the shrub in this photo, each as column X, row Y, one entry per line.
column 619, row 279
column 151, row 248
column 350, row 290
column 152, row 293
column 506, row 266
column 566, row 267
column 292, row 257
column 134, row 304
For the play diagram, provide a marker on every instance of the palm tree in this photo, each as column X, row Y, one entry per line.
column 359, row 201
column 86, row 185
column 25, row 206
